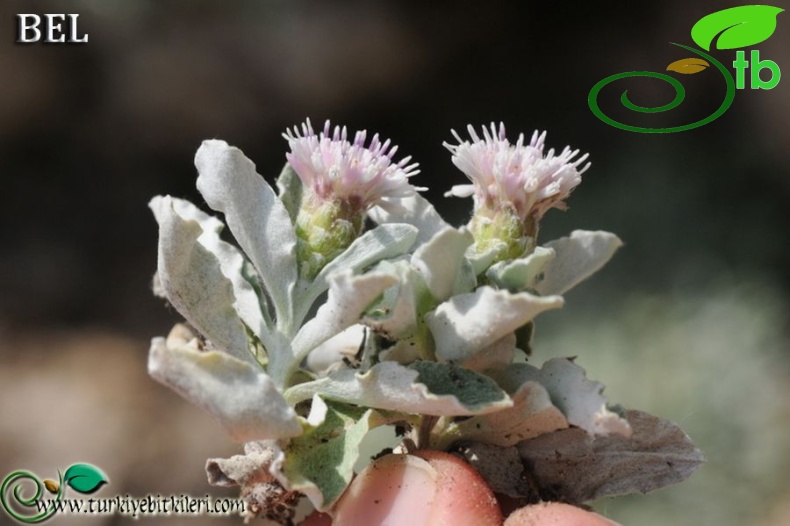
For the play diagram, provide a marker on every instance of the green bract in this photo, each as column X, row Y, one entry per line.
column 409, row 326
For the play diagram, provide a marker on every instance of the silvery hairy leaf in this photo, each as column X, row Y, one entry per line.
column 521, row 274
column 242, row 397
column 467, row 323
column 439, row 262
column 427, row 388
column 579, row 399
column 349, row 296
column 257, row 218
column 414, row 210
column 201, row 277
column 329, row 355
column 532, row 415
column 498, row 355
column 395, row 316
column 383, row 242
column 577, row 257
column 291, row 188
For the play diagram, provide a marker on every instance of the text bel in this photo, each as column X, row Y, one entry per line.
column 49, row 28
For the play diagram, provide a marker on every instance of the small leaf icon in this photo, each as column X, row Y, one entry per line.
column 51, row 485
column 84, row 478
column 687, row 66
column 739, row 27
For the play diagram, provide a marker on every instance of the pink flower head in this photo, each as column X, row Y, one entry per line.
column 336, row 169
column 517, row 176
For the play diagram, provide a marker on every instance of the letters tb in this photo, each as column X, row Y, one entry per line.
column 741, row 65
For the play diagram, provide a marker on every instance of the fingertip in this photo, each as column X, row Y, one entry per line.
column 556, row 514
column 427, row 488
column 463, row 497
column 395, row 490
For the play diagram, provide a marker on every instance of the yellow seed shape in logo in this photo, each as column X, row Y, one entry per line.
column 51, row 485
column 687, row 66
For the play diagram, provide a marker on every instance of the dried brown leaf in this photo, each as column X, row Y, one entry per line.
column 571, row 465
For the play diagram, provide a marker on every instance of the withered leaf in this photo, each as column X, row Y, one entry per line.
column 501, row 468
column 571, row 465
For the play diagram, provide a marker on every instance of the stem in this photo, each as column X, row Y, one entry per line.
column 424, row 432
column 445, row 433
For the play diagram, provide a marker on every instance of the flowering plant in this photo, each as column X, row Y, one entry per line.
column 313, row 332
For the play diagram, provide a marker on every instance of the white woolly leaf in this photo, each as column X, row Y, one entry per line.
column 577, row 258
column 498, row 355
column 349, row 297
column 520, row 274
column 480, row 261
column 396, row 315
column 201, row 276
column 532, row 415
column 242, row 397
column 290, row 188
column 330, row 354
column 427, row 388
column 414, row 210
column 383, row 242
column 256, row 217
column 578, row 398
column 468, row 323
column 439, row 261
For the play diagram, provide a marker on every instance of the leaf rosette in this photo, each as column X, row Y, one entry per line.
column 410, row 326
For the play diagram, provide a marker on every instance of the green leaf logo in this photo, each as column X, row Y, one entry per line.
column 736, row 27
column 84, row 478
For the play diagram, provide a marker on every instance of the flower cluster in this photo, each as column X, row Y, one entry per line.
column 513, row 185
column 342, row 181
column 332, row 168
column 515, row 176
column 311, row 332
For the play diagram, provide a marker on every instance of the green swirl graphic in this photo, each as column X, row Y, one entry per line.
column 29, row 502
column 680, row 94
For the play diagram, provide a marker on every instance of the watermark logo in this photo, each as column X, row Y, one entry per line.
column 733, row 28
column 29, row 500
column 83, row 478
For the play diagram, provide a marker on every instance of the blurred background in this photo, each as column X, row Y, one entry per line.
column 689, row 321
